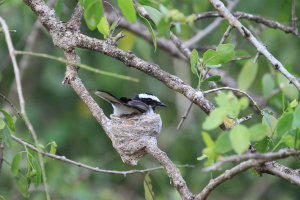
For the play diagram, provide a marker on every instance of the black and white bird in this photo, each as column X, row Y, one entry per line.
column 143, row 103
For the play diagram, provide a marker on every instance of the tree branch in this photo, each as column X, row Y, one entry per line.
column 282, row 153
column 248, row 35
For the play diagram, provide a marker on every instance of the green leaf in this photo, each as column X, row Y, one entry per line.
column 148, row 187
column 262, row 145
column 15, row 164
column 53, row 148
column 239, row 138
column 258, row 132
column 214, row 119
column 6, row 135
column 294, row 103
column 113, row 26
column 128, row 10
column 59, row 7
column 213, row 78
column 213, row 66
column 247, row 75
column 128, row 42
column 224, row 54
column 207, row 139
column 268, row 84
column 2, row 123
column 154, row 14
column 228, row 102
column 103, row 27
column 223, row 144
column 164, row 27
column 267, row 117
column 10, row 120
column 151, row 33
column 38, row 177
column 210, row 153
column 22, row 185
column 296, row 122
column 284, row 124
column 194, row 59
column 202, row 157
column 93, row 13
column 289, row 90
column 289, row 141
column 253, row 172
column 271, row 125
column 243, row 103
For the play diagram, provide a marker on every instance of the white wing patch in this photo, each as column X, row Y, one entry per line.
column 143, row 95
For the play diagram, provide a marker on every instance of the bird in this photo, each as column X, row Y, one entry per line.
column 143, row 103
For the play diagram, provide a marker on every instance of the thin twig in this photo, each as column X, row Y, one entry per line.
column 236, row 90
column 119, row 18
column 86, row 67
column 15, row 110
column 184, row 116
column 96, row 169
column 294, row 18
column 226, row 34
column 22, row 101
column 2, row 154
column 2, row 2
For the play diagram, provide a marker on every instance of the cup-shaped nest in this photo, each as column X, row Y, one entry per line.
column 130, row 135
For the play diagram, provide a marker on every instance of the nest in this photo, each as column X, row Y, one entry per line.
column 130, row 135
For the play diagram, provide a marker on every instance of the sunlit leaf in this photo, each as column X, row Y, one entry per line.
column 207, row 139
column 273, row 123
column 53, row 148
column 294, row 103
column 113, row 26
column 210, row 153
column 93, row 13
column 268, row 84
column 202, row 157
column 289, row 141
column 239, row 138
column 151, row 33
column 127, row 42
column 223, row 144
column 15, row 164
column 214, row 119
column 296, row 122
column 247, row 75
column 243, row 103
column 103, row 27
column 128, row 10
column 224, row 54
column 258, row 132
column 289, row 90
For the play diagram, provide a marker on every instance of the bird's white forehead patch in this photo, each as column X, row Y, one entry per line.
column 145, row 96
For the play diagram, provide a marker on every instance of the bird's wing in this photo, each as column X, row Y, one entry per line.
column 139, row 105
column 107, row 96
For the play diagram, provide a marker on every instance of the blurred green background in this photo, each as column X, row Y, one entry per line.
column 58, row 114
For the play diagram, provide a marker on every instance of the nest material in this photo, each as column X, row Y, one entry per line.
column 130, row 134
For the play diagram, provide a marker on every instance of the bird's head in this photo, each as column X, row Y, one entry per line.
column 149, row 99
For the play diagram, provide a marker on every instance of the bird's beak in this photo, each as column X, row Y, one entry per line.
column 162, row 104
